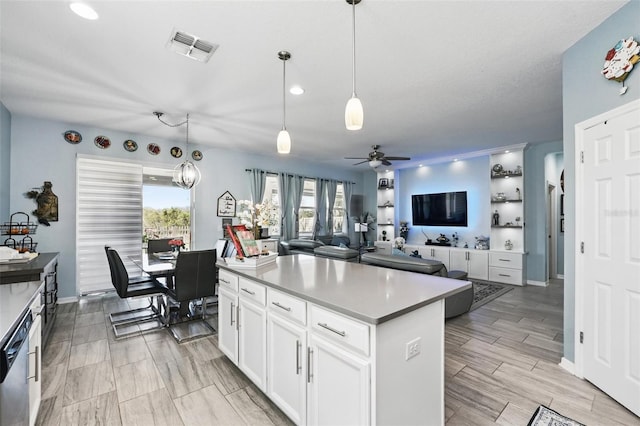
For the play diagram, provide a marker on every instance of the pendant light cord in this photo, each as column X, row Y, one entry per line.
column 353, row 2
column 160, row 114
column 284, row 109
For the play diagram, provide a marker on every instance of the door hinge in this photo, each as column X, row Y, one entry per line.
column 582, row 247
column 581, row 337
column 582, row 157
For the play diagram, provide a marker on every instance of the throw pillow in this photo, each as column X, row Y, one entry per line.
column 396, row 252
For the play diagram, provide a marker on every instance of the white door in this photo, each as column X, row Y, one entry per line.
column 228, row 323
column 442, row 254
column 252, row 342
column 339, row 388
column 458, row 260
column 286, row 367
column 35, row 368
column 609, row 184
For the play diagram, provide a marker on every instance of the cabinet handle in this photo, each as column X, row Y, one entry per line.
column 338, row 332
column 286, row 308
column 504, row 275
column 39, row 311
column 253, row 293
column 309, row 357
column 224, row 281
column 298, row 366
column 232, row 309
column 37, row 363
column 504, row 260
column 37, row 373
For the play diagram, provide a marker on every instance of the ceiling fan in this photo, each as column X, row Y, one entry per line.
column 376, row 158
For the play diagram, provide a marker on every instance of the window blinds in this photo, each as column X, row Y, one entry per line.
column 108, row 212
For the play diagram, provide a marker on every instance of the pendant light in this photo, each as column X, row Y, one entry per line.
column 353, row 113
column 186, row 175
column 284, row 140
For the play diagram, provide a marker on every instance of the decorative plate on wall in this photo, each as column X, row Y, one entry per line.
column 176, row 152
column 130, row 145
column 102, row 142
column 196, row 155
column 72, row 137
column 153, row 149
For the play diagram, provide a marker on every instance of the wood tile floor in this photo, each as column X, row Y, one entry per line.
column 501, row 363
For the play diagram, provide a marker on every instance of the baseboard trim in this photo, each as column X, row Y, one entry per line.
column 568, row 365
column 537, row 283
column 63, row 300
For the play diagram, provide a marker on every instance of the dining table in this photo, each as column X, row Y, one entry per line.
column 157, row 265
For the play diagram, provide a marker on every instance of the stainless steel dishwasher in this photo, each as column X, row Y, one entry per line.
column 14, row 371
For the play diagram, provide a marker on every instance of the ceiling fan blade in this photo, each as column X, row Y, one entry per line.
column 386, row 161
column 365, row 161
column 398, row 158
column 356, row 158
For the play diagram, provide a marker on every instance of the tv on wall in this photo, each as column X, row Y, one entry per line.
column 443, row 209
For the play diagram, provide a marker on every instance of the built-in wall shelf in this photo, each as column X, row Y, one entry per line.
column 507, row 226
column 389, row 205
column 385, row 224
column 505, row 201
column 505, row 175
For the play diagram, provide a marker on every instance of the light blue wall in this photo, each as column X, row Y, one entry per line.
column 585, row 94
column 535, row 208
column 39, row 153
column 5, row 161
column 471, row 175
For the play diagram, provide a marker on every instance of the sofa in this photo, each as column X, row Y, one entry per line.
column 455, row 305
column 332, row 246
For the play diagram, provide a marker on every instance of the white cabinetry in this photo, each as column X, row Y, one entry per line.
column 252, row 332
column 474, row 262
column 506, row 267
column 35, row 362
column 431, row 252
column 271, row 244
column 228, row 315
column 383, row 247
column 338, row 385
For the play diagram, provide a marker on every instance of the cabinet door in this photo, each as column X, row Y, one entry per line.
column 286, row 367
column 339, row 387
column 458, row 261
column 478, row 265
column 441, row 254
column 252, row 342
column 228, row 323
column 35, row 369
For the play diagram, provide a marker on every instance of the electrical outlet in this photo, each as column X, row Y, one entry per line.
column 413, row 348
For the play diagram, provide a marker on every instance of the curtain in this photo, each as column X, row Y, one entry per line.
column 297, row 188
column 320, row 225
column 285, row 211
column 332, row 188
column 256, row 184
column 108, row 212
column 348, row 191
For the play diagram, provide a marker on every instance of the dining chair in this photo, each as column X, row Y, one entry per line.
column 124, row 322
column 194, row 280
column 160, row 244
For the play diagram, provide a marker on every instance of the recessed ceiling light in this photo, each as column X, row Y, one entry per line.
column 507, row 151
column 455, row 159
column 84, row 10
column 420, row 165
column 296, row 90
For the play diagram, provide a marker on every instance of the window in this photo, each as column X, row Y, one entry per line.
column 307, row 211
column 272, row 194
column 339, row 212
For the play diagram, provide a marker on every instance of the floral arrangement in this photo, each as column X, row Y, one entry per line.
column 176, row 243
column 264, row 214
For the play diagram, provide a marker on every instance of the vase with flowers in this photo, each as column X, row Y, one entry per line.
column 257, row 216
column 176, row 244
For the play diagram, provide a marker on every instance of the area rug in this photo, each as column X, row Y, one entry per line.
column 545, row 416
column 485, row 292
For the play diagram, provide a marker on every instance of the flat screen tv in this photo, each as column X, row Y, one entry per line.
column 443, row 209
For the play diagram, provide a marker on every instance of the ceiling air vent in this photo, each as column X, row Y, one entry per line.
column 191, row 46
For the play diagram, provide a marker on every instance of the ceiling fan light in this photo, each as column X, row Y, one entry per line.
column 83, row 10
column 354, row 114
column 186, row 175
column 375, row 163
column 284, row 142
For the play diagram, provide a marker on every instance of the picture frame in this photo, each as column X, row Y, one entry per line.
column 383, row 183
column 225, row 230
column 226, row 205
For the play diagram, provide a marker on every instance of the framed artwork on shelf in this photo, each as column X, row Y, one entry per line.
column 383, row 183
column 226, row 205
column 225, row 229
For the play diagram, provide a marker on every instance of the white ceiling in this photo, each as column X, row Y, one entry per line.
column 436, row 78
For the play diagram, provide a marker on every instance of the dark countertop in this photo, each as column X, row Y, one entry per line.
column 27, row 271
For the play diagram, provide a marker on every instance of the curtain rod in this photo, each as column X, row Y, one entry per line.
column 305, row 177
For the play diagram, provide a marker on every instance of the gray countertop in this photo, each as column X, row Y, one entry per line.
column 26, row 271
column 370, row 293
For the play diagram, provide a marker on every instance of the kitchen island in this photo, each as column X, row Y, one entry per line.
column 332, row 342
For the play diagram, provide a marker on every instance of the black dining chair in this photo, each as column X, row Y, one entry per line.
column 135, row 287
column 160, row 245
column 194, row 281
